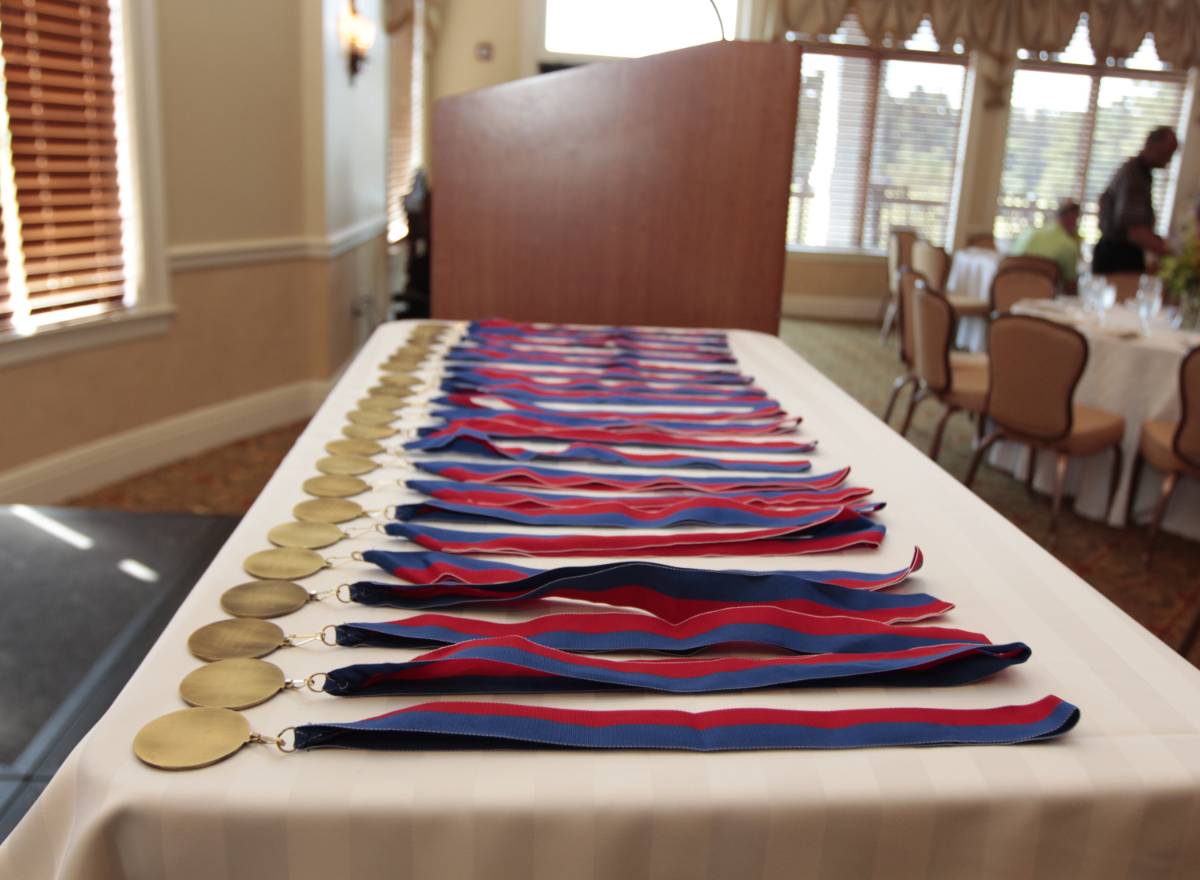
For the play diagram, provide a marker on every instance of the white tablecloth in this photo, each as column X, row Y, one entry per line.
column 1137, row 378
column 1119, row 796
column 971, row 273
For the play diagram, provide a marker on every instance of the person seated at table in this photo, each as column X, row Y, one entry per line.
column 1126, row 211
column 1056, row 240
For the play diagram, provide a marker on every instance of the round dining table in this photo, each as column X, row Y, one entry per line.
column 1135, row 374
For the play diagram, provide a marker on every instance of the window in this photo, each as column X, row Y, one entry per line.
column 876, row 141
column 64, row 174
column 632, row 28
column 1072, row 124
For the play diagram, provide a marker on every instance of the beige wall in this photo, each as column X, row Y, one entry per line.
column 243, row 137
column 464, row 24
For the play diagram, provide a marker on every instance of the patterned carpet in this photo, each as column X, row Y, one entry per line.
column 1164, row 598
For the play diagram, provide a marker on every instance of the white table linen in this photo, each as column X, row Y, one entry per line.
column 971, row 273
column 1119, row 796
column 1133, row 375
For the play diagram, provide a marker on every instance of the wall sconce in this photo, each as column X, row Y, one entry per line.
column 357, row 34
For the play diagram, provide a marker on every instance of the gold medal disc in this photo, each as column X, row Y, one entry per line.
column 264, row 599
column 346, row 446
column 370, row 417
column 239, row 637
column 308, row 535
column 389, row 390
column 335, row 486
column 327, row 510
column 367, row 432
column 399, row 381
column 351, row 465
column 283, row 563
column 403, row 363
column 191, row 738
column 383, row 403
column 232, row 684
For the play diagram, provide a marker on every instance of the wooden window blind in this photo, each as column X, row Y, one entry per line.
column 876, row 143
column 1071, row 125
column 61, row 109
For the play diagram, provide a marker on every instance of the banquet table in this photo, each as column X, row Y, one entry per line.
column 972, row 270
column 1118, row 796
column 1134, row 375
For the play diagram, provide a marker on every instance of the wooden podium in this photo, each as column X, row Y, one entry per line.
column 643, row 191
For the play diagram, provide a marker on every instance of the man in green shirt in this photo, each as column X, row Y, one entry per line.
column 1057, row 240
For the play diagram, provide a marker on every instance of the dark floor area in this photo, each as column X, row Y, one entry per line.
column 86, row 594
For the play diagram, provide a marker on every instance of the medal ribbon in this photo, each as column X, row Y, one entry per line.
column 572, row 394
column 691, row 510
column 845, row 529
column 599, row 344
column 523, row 499
column 550, row 478
column 465, row 441
column 471, row 354
column 764, row 413
column 679, row 426
column 521, row 427
column 707, row 379
column 732, row 383
column 650, row 512
column 447, row 724
column 749, row 625
column 669, row 592
column 515, row 665
column 523, row 328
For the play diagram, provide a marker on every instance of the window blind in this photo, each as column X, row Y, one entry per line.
column 876, row 146
column 1071, row 125
column 58, row 83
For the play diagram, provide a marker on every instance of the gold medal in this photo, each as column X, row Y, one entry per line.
column 307, row 535
column 347, row 446
column 264, row 599
column 327, row 510
column 237, row 683
column 335, row 486
column 398, row 380
column 238, row 637
column 191, row 738
column 383, row 403
column 388, row 390
column 351, row 465
column 283, row 564
column 367, row 432
column 370, row 417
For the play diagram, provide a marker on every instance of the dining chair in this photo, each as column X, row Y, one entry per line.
column 900, row 243
column 934, row 263
column 1044, row 265
column 1034, row 368
column 1126, row 284
column 958, row 388
column 1170, row 447
column 1015, row 283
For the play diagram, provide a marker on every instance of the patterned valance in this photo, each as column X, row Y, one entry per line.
column 1000, row 27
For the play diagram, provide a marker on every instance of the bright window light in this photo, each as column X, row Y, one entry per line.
column 632, row 28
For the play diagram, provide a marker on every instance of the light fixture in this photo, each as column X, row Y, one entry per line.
column 357, row 34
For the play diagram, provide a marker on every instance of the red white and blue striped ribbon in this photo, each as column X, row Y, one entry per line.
column 571, row 394
column 745, row 626
column 485, row 495
column 523, row 328
column 465, row 441
column 553, row 478
column 507, row 355
column 599, row 344
column 515, row 665
column 679, row 426
column 762, row 414
column 669, row 592
column 448, row 724
column 521, row 427
column 842, row 530
column 711, row 383
column 692, row 510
